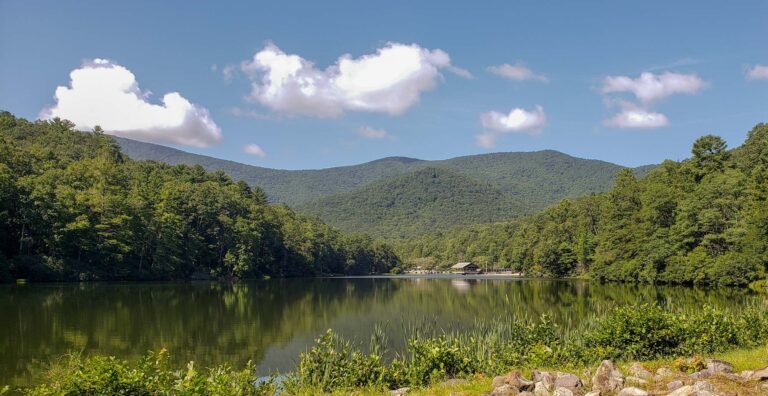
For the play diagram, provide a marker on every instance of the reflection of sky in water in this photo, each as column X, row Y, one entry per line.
column 272, row 322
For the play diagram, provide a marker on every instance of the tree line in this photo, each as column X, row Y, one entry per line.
column 703, row 220
column 73, row 207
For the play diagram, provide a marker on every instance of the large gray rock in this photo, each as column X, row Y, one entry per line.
column 682, row 391
column 563, row 392
column 674, row 385
column 540, row 389
column 632, row 391
column 715, row 366
column 399, row 392
column 545, row 377
column 505, row 390
column 568, row 381
column 514, row 379
column 607, row 378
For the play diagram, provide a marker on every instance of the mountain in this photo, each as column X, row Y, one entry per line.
column 537, row 178
column 417, row 203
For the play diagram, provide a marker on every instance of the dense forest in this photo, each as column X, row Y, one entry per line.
column 72, row 206
column 417, row 203
column 702, row 221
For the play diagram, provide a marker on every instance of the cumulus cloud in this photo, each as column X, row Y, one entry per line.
column 637, row 118
column 254, row 149
column 373, row 133
column 516, row 72
column 650, row 87
column 757, row 72
column 103, row 93
column 388, row 81
column 518, row 120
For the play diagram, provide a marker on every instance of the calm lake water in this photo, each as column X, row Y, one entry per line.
column 272, row 321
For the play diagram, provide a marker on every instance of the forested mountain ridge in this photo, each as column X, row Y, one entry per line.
column 72, row 206
column 417, row 203
column 538, row 178
column 703, row 220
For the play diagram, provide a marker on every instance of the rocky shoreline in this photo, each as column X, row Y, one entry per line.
column 684, row 377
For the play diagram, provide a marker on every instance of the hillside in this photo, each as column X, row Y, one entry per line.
column 416, row 203
column 536, row 178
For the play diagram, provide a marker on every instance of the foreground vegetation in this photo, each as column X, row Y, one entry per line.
column 73, row 207
column 630, row 333
column 703, row 220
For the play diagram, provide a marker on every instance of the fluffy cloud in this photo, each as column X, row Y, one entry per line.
column 757, row 72
column 106, row 94
column 637, row 118
column 517, row 121
column 373, row 133
column 388, row 81
column 254, row 149
column 516, row 72
column 649, row 87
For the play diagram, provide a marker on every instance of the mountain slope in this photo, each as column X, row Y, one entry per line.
column 537, row 178
column 416, row 203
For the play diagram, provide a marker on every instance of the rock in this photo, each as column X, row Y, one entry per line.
column 639, row 371
column 607, row 379
column 593, row 393
column 399, row 392
column 746, row 374
column 682, row 391
column 505, row 390
column 760, row 375
column 663, row 373
column 632, row 391
column 540, row 389
column 703, row 386
column 545, row 377
column 703, row 374
column 568, row 381
column 675, row 385
column 453, row 382
column 526, row 393
column 715, row 366
column 635, row 380
column 514, row 379
column 563, row 392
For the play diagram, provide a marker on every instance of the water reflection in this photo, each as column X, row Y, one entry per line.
column 271, row 322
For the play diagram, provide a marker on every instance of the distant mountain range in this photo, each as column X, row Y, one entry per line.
column 400, row 197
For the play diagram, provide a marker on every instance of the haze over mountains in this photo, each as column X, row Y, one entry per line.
column 400, row 197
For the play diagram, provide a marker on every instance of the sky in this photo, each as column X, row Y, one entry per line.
column 304, row 85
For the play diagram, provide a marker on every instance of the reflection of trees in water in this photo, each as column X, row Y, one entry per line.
column 215, row 323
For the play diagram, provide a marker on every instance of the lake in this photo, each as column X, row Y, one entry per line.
column 272, row 321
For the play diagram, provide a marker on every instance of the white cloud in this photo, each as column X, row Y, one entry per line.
column 388, row 81
column 757, row 72
column 106, row 94
column 518, row 120
column 516, row 72
column 373, row 133
column 650, row 87
column 254, row 149
column 637, row 118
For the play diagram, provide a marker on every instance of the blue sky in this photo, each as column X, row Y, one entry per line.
column 574, row 80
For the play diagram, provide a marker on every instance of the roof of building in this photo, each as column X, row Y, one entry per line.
column 462, row 265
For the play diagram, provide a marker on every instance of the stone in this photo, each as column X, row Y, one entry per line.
column 663, row 373
column 682, row 391
column 639, row 371
column 593, row 393
column 505, row 390
column 453, row 382
column 568, row 381
column 760, row 375
column 746, row 374
column 499, row 381
column 607, row 378
column 563, row 392
column 632, row 391
column 546, row 377
column 514, row 379
column 703, row 386
column 635, row 380
column 715, row 366
column 675, row 385
column 399, row 392
column 540, row 389
column 703, row 374
column 526, row 393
